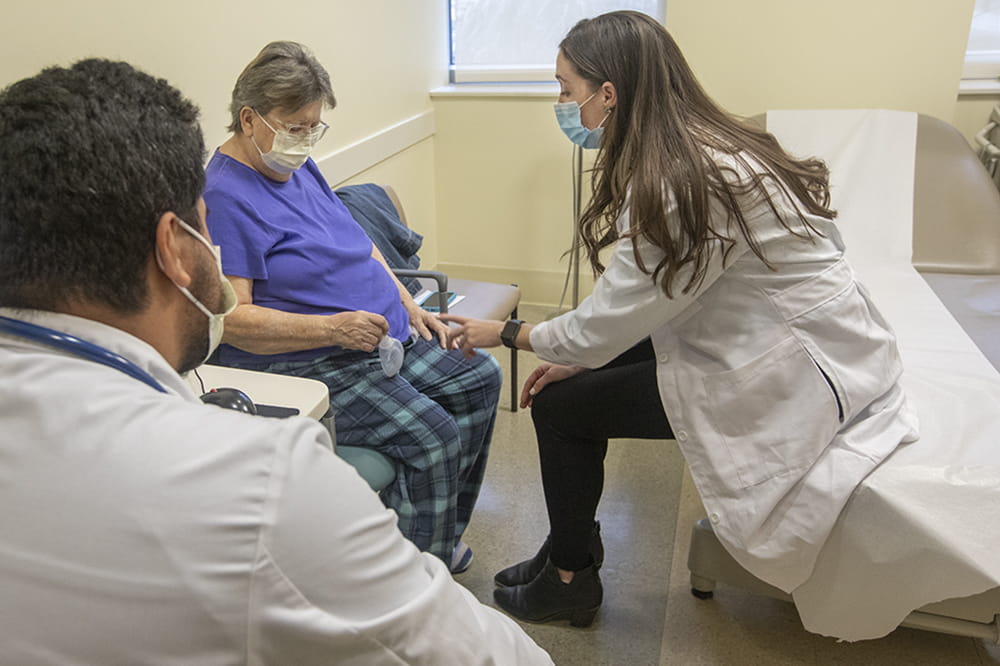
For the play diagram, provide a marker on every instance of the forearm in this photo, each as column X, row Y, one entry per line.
column 261, row 330
column 523, row 339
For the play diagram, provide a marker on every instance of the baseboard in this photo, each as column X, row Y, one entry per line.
column 346, row 162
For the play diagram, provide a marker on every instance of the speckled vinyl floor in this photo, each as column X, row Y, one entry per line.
column 649, row 615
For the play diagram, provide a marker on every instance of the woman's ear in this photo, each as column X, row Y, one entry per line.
column 609, row 96
column 168, row 250
column 246, row 120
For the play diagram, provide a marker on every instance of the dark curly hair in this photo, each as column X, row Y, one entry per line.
column 90, row 157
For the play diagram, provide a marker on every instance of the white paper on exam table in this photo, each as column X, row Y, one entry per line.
column 925, row 525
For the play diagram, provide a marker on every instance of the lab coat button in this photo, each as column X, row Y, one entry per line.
column 714, row 518
column 664, row 358
column 682, row 436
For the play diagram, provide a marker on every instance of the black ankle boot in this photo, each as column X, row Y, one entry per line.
column 547, row 598
column 527, row 571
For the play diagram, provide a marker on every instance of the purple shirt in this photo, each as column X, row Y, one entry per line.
column 300, row 246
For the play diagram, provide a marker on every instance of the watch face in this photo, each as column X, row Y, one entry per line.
column 509, row 332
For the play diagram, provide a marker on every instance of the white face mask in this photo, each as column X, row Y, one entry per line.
column 229, row 302
column 288, row 152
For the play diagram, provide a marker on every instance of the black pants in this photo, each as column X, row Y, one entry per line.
column 573, row 420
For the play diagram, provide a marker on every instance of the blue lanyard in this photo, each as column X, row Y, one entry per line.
column 78, row 347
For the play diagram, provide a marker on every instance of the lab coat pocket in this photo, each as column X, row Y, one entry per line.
column 776, row 414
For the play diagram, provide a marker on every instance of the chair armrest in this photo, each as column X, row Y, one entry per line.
column 440, row 278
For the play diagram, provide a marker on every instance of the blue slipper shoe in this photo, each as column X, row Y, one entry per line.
column 461, row 558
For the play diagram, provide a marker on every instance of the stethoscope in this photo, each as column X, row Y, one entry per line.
column 77, row 347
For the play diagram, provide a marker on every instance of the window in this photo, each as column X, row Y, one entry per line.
column 982, row 55
column 514, row 41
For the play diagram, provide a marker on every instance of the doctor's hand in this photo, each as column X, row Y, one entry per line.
column 472, row 334
column 357, row 330
column 543, row 375
column 427, row 323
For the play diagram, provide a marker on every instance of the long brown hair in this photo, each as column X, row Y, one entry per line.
column 662, row 139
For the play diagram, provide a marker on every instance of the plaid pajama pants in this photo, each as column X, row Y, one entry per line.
column 434, row 420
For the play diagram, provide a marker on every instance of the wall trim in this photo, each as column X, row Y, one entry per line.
column 345, row 163
column 548, row 91
column 969, row 87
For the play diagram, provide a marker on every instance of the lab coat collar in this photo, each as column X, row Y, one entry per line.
column 113, row 339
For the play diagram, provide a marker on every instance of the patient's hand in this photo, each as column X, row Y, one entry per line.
column 544, row 375
column 472, row 334
column 358, row 330
column 427, row 324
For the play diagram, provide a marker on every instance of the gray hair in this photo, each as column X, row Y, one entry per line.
column 285, row 75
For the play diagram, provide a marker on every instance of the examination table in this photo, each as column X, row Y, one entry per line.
column 919, row 542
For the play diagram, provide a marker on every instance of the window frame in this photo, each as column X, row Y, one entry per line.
column 981, row 68
column 508, row 74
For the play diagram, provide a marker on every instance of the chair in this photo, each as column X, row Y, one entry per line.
column 371, row 465
column 988, row 141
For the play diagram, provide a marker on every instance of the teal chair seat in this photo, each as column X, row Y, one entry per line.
column 373, row 467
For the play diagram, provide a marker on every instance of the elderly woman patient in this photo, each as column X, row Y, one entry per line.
column 316, row 298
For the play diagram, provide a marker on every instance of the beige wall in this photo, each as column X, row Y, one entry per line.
column 504, row 192
column 502, row 166
column 491, row 191
column 383, row 56
column 772, row 54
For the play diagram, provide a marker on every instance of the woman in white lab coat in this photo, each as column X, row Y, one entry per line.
column 726, row 317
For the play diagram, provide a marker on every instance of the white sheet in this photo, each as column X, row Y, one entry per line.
column 925, row 526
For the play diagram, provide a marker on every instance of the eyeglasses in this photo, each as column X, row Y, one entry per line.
column 311, row 133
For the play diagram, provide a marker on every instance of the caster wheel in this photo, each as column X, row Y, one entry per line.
column 701, row 594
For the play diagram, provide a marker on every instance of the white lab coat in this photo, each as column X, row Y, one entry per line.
column 781, row 386
column 148, row 528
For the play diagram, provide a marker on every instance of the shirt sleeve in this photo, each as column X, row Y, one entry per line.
column 625, row 307
column 237, row 226
column 339, row 580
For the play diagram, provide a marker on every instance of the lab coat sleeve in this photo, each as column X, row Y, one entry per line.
column 625, row 307
column 337, row 581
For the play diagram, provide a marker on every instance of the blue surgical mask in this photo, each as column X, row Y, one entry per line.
column 568, row 116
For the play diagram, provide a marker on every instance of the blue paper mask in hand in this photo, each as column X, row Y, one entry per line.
column 390, row 355
column 568, row 116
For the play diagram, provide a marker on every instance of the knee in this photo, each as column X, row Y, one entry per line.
column 481, row 382
column 492, row 375
column 549, row 407
column 443, row 443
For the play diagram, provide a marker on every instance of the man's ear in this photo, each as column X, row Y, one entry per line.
column 168, row 249
column 609, row 95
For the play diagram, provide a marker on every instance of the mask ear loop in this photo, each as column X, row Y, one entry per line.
column 594, row 94
column 184, row 290
column 607, row 114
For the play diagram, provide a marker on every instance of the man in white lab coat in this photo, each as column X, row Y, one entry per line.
column 140, row 525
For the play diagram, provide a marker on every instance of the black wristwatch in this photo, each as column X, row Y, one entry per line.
column 508, row 336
